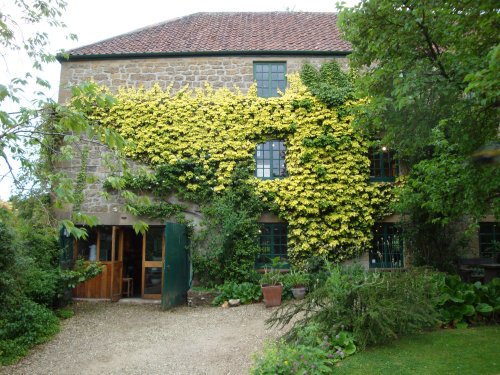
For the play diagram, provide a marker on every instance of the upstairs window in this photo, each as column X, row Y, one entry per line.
column 270, row 160
column 270, row 76
column 387, row 247
column 273, row 243
column 489, row 239
column 383, row 166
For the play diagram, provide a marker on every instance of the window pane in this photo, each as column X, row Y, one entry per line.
column 273, row 242
column 87, row 249
column 269, row 77
column 105, row 242
column 152, row 280
column 154, row 242
column 387, row 246
column 270, row 159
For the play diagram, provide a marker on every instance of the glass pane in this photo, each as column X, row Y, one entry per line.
column 152, row 281
column 87, row 249
column 154, row 241
column 105, row 241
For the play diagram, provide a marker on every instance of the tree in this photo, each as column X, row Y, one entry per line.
column 431, row 71
column 38, row 135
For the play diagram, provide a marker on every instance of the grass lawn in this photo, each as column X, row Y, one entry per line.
column 472, row 351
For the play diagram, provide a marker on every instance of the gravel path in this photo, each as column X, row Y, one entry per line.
column 106, row 338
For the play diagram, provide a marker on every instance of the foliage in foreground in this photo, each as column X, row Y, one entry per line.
column 461, row 303
column 32, row 283
column 310, row 353
column 376, row 307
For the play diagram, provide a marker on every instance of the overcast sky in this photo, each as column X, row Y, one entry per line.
column 95, row 20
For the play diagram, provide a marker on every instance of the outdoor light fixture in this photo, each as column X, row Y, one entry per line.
column 384, row 148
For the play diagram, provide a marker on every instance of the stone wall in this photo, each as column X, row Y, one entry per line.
column 195, row 71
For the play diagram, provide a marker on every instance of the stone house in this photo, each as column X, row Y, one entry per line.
column 226, row 50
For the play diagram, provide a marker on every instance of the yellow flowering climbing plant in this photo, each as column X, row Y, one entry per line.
column 326, row 198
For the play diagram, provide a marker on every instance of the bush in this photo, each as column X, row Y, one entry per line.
column 461, row 303
column 376, row 307
column 22, row 325
column 311, row 353
column 227, row 248
column 245, row 292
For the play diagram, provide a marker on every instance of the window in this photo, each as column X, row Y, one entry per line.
column 97, row 245
column 105, row 243
column 270, row 160
column 387, row 246
column 273, row 242
column 383, row 166
column 270, row 76
column 489, row 239
column 87, row 248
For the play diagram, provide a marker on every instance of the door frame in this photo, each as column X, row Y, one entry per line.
column 152, row 263
column 116, row 264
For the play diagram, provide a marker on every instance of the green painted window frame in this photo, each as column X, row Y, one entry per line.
column 383, row 166
column 489, row 239
column 270, row 160
column 275, row 72
column 273, row 241
column 387, row 250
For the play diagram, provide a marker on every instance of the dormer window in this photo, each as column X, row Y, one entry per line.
column 270, row 76
column 270, row 160
column 383, row 166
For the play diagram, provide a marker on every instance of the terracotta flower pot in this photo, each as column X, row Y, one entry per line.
column 272, row 295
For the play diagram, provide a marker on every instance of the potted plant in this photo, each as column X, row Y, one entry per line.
column 270, row 282
column 298, row 281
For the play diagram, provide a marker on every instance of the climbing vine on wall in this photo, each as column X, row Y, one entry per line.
column 194, row 141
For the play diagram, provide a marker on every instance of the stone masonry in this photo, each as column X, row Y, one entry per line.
column 193, row 71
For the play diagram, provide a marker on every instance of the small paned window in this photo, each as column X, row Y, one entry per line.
column 387, row 246
column 270, row 76
column 105, row 243
column 270, row 160
column 383, row 166
column 489, row 240
column 87, row 248
column 273, row 243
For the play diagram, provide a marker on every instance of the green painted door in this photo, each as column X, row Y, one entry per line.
column 175, row 266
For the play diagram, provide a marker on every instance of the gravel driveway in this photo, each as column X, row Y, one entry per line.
column 111, row 338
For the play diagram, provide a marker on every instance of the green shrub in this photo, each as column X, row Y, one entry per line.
column 311, row 353
column 245, row 292
column 227, row 248
column 22, row 325
column 376, row 307
column 82, row 271
column 461, row 303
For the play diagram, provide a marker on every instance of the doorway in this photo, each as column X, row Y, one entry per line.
column 143, row 262
column 132, row 260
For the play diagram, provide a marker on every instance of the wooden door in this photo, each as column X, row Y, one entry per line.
column 116, row 264
column 153, row 244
